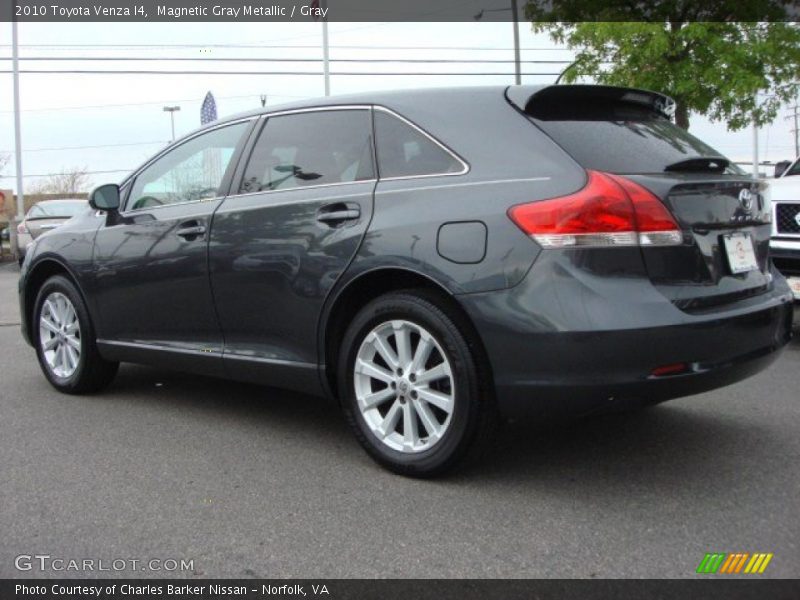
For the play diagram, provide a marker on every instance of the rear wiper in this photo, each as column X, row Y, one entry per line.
column 705, row 164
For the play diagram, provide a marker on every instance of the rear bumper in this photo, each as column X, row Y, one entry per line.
column 577, row 346
column 23, row 240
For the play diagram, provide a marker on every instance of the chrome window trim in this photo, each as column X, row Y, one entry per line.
column 374, row 107
column 465, row 168
column 137, row 211
column 266, row 115
column 292, row 111
column 305, row 187
column 131, row 179
column 463, row 184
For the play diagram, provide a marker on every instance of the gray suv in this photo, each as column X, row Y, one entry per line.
column 431, row 259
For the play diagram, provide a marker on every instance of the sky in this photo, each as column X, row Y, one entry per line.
column 111, row 123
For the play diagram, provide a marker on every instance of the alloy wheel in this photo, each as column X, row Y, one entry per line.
column 404, row 386
column 60, row 335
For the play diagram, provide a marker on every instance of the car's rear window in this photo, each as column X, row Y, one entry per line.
column 56, row 209
column 616, row 136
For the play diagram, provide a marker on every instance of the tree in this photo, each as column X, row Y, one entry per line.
column 75, row 181
column 4, row 160
column 708, row 64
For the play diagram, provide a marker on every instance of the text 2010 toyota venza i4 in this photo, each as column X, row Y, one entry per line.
column 431, row 258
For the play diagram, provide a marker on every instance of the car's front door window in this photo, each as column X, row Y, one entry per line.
column 192, row 171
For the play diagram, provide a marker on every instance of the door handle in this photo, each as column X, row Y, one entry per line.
column 336, row 214
column 191, row 230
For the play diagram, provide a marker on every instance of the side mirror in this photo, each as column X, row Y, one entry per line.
column 781, row 167
column 105, row 197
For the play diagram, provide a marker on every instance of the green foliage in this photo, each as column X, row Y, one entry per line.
column 713, row 68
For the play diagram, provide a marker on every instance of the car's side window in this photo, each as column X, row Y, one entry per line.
column 404, row 151
column 311, row 148
column 192, row 171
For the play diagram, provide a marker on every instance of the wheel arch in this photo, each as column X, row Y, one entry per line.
column 364, row 288
column 43, row 270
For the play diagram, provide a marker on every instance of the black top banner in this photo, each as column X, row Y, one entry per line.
column 398, row 10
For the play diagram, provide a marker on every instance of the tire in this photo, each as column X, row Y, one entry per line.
column 65, row 340
column 381, row 411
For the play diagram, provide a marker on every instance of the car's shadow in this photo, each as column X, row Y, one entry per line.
column 666, row 447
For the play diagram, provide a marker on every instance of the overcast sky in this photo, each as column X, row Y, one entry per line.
column 68, row 111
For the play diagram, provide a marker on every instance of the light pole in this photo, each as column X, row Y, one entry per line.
column 795, row 131
column 515, row 19
column 17, row 144
column 171, row 110
column 326, row 63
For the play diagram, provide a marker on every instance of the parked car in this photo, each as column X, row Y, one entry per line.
column 5, row 235
column 785, row 243
column 44, row 216
column 430, row 258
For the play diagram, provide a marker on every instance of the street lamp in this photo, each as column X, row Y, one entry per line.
column 171, row 110
column 515, row 15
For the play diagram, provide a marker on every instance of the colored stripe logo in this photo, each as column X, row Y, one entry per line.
column 734, row 563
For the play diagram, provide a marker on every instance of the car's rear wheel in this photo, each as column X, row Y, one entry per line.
column 65, row 341
column 411, row 384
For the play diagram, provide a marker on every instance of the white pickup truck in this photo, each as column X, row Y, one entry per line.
column 785, row 241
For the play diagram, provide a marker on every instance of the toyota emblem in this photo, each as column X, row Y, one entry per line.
column 746, row 199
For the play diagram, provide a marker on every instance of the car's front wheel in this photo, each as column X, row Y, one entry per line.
column 411, row 385
column 65, row 341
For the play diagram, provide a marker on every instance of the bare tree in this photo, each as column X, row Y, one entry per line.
column 73, row 181
column 4, row 160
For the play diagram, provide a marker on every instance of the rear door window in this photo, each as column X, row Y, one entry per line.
column 404, row 151
column 312, row 148
column 616, row 136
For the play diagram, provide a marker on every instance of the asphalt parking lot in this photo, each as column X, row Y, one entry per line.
column 254, row 482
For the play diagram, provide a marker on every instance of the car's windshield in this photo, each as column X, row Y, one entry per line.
column 793, row 170
column 47, row 210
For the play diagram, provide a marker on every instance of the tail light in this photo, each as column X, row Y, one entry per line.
column 22, row 228
column 609, row 211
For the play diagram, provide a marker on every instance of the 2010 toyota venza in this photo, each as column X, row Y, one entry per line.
column 430, row 258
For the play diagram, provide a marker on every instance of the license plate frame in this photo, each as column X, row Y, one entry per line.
column 740, row 252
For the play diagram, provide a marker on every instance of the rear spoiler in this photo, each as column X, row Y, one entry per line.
column 522, row 96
